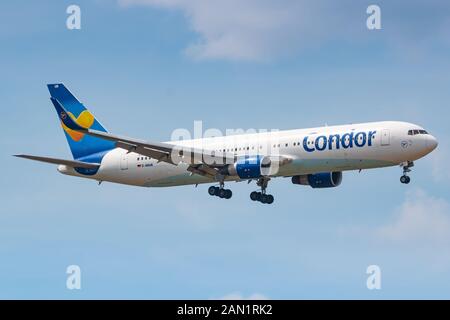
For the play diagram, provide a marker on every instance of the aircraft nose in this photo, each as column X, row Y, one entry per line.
column 432, row 143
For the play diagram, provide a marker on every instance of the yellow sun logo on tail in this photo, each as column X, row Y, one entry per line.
column 85, row 120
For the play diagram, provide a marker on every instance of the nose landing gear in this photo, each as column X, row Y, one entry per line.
column 405, row 179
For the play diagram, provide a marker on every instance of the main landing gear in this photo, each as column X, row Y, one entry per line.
column 220, row 192
column 262, row 196
column 406, row 168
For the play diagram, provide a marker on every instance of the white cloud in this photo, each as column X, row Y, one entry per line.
column 417, row 233
column 239, row 296
column 248, row 30
column 421, row 221
column 258, row 30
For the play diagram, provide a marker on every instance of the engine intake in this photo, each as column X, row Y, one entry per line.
column 319, row 180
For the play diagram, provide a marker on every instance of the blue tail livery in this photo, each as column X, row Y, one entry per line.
column 82, row 146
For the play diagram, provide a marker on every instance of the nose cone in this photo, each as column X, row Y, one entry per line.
column 431, row 143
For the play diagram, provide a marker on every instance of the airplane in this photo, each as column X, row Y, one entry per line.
column 314, row 157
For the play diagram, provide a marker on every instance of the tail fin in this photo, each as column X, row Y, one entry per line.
column 81, row 145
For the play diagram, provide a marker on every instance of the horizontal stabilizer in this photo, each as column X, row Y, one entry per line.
column 70, row 163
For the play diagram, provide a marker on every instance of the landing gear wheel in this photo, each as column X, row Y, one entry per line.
column 222, row 193
column 263, row 198
column 228, row 194
column 212, row 191
column 254, row 196
column 405, row 179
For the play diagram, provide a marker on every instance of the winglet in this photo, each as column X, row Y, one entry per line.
column 65, row 117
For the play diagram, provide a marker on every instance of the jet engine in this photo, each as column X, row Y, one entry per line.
column 319, row 180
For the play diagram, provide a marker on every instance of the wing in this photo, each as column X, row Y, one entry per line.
column 201, row 161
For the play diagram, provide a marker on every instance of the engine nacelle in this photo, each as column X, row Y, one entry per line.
column 319, row 180
column 250, row 167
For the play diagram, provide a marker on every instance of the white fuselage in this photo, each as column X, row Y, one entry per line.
column 323, row 149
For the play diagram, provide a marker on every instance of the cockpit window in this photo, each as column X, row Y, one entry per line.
column 414, row 132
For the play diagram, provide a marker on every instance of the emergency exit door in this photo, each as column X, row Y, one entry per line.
column 124, row 161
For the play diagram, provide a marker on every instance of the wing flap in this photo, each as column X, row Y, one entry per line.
column 203, row 170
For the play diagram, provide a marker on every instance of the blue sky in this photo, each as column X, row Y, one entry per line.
column 147, row 67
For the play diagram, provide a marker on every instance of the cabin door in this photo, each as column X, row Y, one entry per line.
column 385, row 137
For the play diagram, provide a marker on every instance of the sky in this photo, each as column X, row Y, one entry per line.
column 148, row 67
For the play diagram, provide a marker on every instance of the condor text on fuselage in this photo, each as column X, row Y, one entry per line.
column 336, row 141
